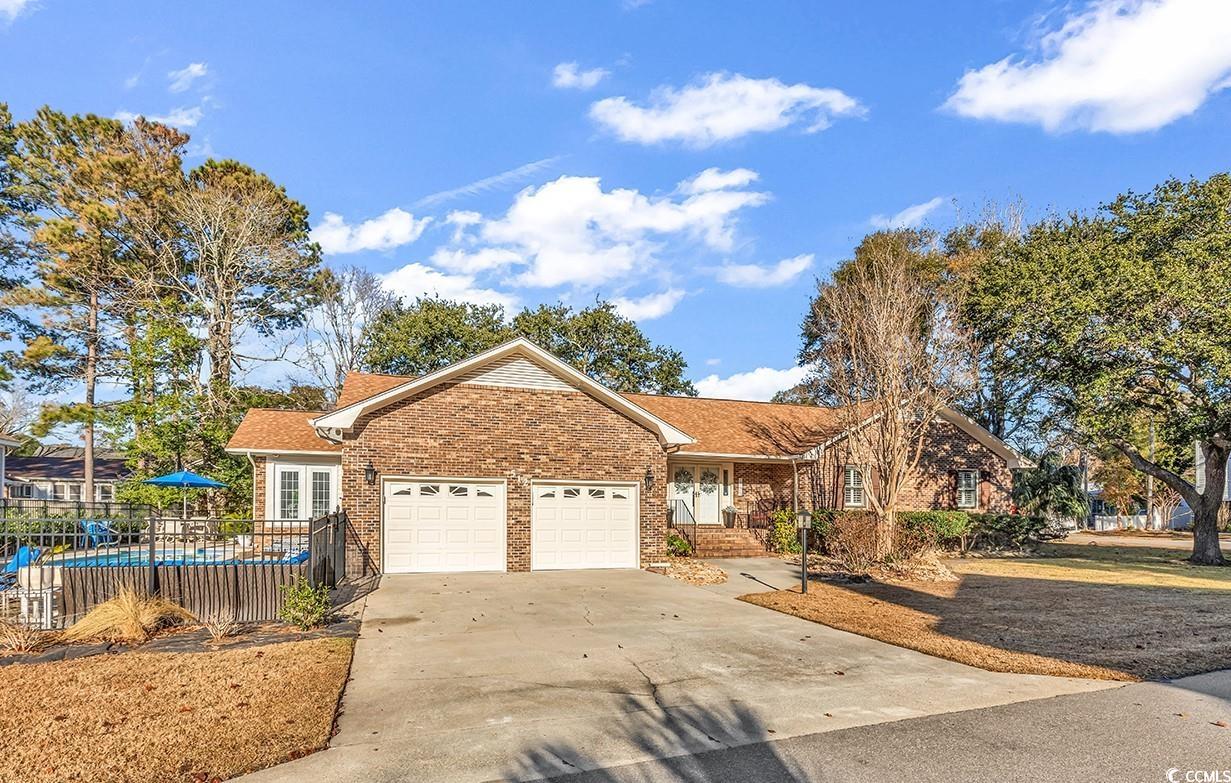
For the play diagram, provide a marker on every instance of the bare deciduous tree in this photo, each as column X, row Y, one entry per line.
column 888, row 353
column 337, row 332
column 242, row 260
column 18, row 411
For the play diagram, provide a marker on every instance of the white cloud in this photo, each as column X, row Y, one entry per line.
column 392, row 229
column 569, row 76
column 181, row 80
column 179, row 117
column 720, row 107
column 572, row 232
column 414, row 280
column 756, row 276
column 910, row 217
column 486, row 184
column 13, row 8
column 759, row 384
column 713, row 362
column 1120, row 66
column 716, row 179
column 648, row 307
column 483, row 260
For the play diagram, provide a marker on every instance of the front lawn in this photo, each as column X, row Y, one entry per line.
column 1123, row 613
column 199, row 716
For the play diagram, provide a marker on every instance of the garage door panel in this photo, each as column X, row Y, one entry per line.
column 439, row 526
column 583, row 527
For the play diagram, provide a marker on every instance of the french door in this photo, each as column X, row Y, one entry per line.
column 702, row 487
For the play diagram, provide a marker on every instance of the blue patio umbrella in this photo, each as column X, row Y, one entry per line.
column 185, row 480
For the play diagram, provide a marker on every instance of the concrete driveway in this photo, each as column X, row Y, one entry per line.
column 522, row 676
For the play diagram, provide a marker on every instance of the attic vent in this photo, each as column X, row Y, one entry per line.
column 518, row 372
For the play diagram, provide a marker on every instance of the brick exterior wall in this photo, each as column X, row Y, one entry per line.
column 258, row 492
column 516, row 434
column 933, row 484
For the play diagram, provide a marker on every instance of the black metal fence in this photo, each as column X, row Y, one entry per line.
column 27, row 508
column 680, row 519
column 55, row 570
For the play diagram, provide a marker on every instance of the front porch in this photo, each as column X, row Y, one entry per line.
column 723, row 508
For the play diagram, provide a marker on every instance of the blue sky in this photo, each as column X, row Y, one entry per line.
column 700, row 163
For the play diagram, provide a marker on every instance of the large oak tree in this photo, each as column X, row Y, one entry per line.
column 1124, row 316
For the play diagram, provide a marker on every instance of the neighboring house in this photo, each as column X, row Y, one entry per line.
column 513, row 460
column 61, row 476
column 7, row 443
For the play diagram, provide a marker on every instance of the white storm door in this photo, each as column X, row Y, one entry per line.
column 444, row 526
column 709, row 495
column 683, row 487
column 583, row 526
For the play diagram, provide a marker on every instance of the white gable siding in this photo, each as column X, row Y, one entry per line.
column 516, row 371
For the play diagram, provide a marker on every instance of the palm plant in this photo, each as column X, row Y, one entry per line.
column 1051, row 489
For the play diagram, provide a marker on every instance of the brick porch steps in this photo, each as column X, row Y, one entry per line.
column 717, row 541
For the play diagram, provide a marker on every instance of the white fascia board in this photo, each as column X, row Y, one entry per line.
column 717, row 455
column 344, row 419
column 284, row 452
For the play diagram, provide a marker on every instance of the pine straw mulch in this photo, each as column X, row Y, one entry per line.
column 1143, row 615
column 694, row 571
column 170, row 717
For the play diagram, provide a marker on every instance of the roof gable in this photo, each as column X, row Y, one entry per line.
column 494, row 364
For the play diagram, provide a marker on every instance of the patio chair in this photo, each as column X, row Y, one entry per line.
column 23, row 557
column 99, row 533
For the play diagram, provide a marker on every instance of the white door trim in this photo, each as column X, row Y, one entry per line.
column 504, row 506
column 635, row 486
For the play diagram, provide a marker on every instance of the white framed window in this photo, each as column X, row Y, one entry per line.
column 299, row 492
column 21, row 490
column 105, row 493
column 322, row 492
column 853, row 493
column 968, row 489
column 288, row 494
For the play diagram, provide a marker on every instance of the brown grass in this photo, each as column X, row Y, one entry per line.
column 170, row 717
column 1096, row 612
column 129, row 617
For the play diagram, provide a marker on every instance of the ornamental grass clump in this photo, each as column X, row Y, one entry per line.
column 130, row 617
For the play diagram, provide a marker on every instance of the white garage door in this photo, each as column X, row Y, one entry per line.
column 444, row 526
column 583, row 526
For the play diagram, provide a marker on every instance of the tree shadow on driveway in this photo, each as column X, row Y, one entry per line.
column 680, row 738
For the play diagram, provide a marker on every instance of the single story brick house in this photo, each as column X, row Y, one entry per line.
column 513, row 460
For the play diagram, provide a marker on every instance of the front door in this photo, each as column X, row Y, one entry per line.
column 700, row 487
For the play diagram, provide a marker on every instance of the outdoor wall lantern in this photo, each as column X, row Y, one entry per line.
column 649, row 478
column 369, row 473
column 803, row 521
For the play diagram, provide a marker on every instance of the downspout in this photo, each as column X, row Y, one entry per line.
column 794, row 486
column 252, row 462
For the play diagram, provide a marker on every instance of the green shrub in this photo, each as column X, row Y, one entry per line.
column 783, row 536
column 936, row 529
column 303, row 605
column 1007, row 531
column 235, row 527
column 678, row 545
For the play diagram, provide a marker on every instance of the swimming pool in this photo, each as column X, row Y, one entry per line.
column 142, row 558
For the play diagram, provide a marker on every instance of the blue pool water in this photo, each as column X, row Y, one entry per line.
column 179, row 559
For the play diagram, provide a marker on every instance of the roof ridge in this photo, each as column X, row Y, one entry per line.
column 732, row 399
column 285, row 410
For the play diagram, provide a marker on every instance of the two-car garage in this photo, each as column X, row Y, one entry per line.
column 451, row 525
